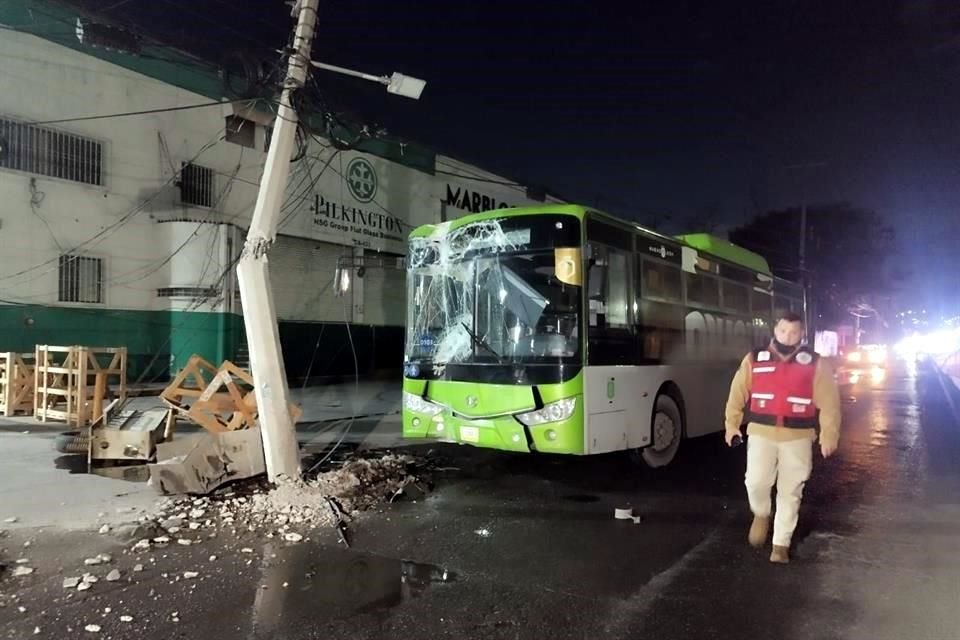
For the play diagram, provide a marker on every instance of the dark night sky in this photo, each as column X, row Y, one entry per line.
column 666, row 109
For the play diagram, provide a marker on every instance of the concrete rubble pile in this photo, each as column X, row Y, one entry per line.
column 357, row 486
column 360, row 484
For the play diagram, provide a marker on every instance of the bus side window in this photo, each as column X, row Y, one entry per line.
column 597, row 284
column 611, row 337
column 608, row 287
column 617, row 291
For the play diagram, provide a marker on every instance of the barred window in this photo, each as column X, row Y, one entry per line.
column 47, row 152
column 81, row 279
column 196, row 185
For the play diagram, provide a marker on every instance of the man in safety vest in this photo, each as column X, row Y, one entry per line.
column 782, row 386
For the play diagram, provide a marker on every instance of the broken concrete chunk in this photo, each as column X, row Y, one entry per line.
column 197, row 513
column 22, row 571
column 213, row 558
column 126, row 618
column 194, row 526
column 92, row 628
column 293, row 537
column 190, row 575
column 11, row 520
column 161, row 539
column 113, row 576
column 89, row 578
column 23, row 561
column 138, row 568
column 83, row 586
column 104, row 529
column 246, row 550
column 70, row 583
column 184, row 542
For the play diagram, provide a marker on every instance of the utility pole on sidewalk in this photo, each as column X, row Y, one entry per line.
column 253, row 273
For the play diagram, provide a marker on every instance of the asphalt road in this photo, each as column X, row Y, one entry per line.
column 527, row 547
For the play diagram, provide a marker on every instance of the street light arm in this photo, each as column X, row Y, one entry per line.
column 385, row 80
column 396, row 83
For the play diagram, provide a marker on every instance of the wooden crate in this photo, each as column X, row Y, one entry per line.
column 73, row 383
column 218, row 399
column 16, row 383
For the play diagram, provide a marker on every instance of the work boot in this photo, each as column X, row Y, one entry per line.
column 780, row 555
column 759, row 530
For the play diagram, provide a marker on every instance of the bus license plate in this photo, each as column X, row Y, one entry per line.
column 470, row 434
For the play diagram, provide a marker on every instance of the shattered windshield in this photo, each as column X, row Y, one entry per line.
column 490, row 293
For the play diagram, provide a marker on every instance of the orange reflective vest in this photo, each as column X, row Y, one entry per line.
column 781, row 391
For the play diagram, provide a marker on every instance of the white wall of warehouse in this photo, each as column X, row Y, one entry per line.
column 149, row 240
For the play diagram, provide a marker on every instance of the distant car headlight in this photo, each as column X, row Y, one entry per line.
column 553, row 412
column 415, row 403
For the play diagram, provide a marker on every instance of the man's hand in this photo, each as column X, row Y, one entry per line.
column 730, row 434
column 827, row 449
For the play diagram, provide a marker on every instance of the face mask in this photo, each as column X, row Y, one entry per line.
column 783, row 349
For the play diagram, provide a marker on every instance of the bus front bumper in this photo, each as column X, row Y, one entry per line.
column 505, row 432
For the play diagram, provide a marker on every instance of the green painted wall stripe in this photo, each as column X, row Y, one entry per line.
column 158, row 342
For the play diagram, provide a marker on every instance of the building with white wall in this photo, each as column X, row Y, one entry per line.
column 124, row 229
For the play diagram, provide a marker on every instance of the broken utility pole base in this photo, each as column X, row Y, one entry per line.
column 269, row 378
column 259, row 315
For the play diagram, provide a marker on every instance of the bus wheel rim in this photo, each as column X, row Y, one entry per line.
column 664, row 432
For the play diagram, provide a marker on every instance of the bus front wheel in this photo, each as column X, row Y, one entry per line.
column 666, row 431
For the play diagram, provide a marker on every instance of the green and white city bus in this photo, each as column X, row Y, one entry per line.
column 560, row 329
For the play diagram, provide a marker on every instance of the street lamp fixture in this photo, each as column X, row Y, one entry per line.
column 396, row 83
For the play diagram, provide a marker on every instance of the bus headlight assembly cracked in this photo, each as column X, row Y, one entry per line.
column 417, row 404
column 553, row 412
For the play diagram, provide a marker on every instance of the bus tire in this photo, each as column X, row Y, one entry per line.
column 666, row 430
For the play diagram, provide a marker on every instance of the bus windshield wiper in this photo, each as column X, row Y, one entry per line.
column 477, row 340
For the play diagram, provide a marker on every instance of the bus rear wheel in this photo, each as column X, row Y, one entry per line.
column 666, row 430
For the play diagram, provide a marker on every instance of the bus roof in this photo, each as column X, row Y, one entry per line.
column 570, row 209
column 727, row 250
column 713, row 245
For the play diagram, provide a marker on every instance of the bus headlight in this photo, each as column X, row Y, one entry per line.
column 553, row 412
column 417, row 404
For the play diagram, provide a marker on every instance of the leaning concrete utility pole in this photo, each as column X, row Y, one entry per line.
column 253, row 273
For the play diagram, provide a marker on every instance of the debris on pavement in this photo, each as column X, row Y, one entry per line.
column 190, row 575
column 12, row 520
column 113, row 576
column 22, row 571
column 71, row 583
column 92, row 628
column 126, row 618
column 104, row 529
column 103, row 558
column 358, row 485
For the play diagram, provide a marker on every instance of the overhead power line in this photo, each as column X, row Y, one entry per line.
column 124, row 114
